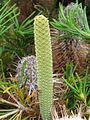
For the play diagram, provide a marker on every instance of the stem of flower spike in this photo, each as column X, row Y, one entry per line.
column 44, row 65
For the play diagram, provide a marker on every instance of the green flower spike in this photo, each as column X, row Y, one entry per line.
column 44, row 65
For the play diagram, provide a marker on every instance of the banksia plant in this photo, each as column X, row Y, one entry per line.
column 44, row 65
column 71, row 23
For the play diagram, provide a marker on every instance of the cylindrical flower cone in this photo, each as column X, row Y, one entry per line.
column 44, row 65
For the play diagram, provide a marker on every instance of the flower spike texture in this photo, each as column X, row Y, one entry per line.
column 44, row 65
column 29, row 72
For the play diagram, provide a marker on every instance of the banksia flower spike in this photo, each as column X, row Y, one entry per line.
column 44, row 65
column 29, row 74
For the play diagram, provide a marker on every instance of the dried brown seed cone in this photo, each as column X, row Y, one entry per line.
column 67, row 51
column 88, row 58
column 83, row 57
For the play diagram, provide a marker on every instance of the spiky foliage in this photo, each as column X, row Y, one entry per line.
column 72, row 93
column 26, row 71
column 44, row 64
column 79, row 87
column 73, row 21
column 6, row 16
column 16, row 38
